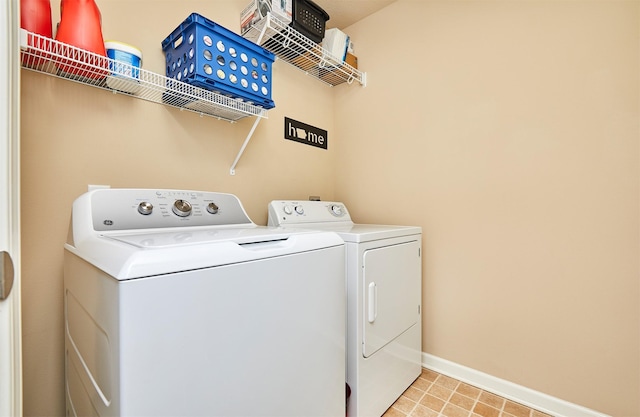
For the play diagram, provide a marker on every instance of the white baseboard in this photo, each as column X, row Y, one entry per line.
column 517, row 393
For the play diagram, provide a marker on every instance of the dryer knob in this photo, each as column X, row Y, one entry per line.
column 288, row 210
column 336, row 210
column 212, row 208
column 145, row 208
column 181, row 208
column 299, row 209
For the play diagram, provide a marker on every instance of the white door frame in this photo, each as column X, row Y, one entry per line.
column 10, row 322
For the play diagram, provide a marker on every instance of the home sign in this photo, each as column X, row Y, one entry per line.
column 304, row 133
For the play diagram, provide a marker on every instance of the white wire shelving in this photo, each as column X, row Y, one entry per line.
column 294, row 48
column 48, row 56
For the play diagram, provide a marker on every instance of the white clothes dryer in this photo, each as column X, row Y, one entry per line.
column 384, row 281
column 177, row 304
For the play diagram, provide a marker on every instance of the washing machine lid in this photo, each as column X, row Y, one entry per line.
column 197, row 236
column 133, row 233
column 138, row 255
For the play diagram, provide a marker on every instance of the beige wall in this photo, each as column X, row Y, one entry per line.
column 507, row 130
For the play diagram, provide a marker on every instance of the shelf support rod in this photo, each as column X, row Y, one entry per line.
column 232, row 171
column 264, row 29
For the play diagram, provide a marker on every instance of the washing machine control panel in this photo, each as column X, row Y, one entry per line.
column 125, row 209
column 292, row 212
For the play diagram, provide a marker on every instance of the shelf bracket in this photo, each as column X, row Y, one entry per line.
column 232, row 171
column 264, row 29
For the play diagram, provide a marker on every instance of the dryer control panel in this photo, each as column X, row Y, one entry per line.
column 114, row 209
column 296, row 212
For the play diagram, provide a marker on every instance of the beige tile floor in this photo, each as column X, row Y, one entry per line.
column 437, row 395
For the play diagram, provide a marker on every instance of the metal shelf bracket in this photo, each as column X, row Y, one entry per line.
column 232, row 170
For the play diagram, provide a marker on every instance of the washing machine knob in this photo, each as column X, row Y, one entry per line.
column 287, row 210
column 212, row 208
column 336, row 210
column 299, row 209
column 145, row 208
column 181, row 208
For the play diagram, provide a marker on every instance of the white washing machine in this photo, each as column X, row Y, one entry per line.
column 384, row 281
column 177, row 304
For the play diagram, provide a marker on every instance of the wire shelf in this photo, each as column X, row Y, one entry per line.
column 46, row 55
column 291, row 46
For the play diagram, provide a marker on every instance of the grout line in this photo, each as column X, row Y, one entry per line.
column 475, row 402
column 448, row 401
column 419, row 399
column 470, row 413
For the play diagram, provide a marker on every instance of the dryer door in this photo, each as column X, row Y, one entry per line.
column 391, row 289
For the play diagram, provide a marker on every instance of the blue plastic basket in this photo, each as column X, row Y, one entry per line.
column 203, row 53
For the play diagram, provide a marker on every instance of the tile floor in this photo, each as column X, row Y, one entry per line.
column 436, row 395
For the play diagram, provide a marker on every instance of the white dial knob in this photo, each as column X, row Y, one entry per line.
column 288, row 210
column 299, row 209
column 336, row 210
column 181, row 208
column 145, row 208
